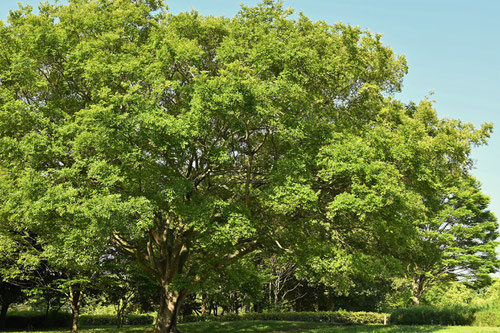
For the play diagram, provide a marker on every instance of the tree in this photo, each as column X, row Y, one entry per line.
column 457, row 242
column 121, row 283
column 447, row 294
column 192, row 141
column 236, row 286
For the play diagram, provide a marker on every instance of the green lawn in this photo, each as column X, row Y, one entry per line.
column 286, row 326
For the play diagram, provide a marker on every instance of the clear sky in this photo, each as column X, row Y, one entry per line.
column 452, row 48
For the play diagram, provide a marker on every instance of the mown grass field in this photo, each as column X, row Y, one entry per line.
column 284, row 326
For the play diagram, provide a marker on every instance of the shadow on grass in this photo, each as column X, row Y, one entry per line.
column 250, row 326
column 311, row 327
column 398, row 329
column 284, row 327
column 387, row 329
column 304, row 327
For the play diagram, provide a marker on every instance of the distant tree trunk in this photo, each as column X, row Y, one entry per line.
column 119, row 319
column 47, row 308
column 329, row 301
column 257, row 307
column 236, row 307
column 119, row 315
column 75, row 301
column 204, row 309
column 316, row 300
column 3, row 314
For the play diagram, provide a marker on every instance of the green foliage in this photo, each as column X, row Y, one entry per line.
column 457, row 241
column 236, row 285
column 488, row 317
column 431, row 315
column 123, row 285
column 37, row 320
column 110, row 320
column 191, row 141
column 338, row 317
column 492, row 295
column 450, row 294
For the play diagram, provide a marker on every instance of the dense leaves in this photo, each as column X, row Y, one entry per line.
column 191, row 141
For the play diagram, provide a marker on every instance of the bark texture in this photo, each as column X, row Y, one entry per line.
column 75, row 300
column 418, row 288
column 170, row 303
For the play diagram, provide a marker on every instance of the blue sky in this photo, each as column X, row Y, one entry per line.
column 452, row 48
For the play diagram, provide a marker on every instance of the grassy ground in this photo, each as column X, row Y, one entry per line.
column 296, row 327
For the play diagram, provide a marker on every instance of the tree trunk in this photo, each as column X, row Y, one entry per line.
column 120, row 312
column 75, row 300
column 329, row 301
column 47, row 308
column 170, row 303
column 74, row 320
column 204, row 310
column 417, row 289
column 3, row 315
column 119, row 319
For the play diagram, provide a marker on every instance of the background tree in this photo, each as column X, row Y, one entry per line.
column 235, row 288
column 122, row 283
column 458, row 241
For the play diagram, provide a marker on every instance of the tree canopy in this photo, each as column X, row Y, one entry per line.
column 191, row 141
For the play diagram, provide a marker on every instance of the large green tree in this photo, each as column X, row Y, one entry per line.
column 191, row 141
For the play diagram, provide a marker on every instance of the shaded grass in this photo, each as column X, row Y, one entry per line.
column 286, row 326
column 403, row 328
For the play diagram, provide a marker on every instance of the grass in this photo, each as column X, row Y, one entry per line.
column 286, row 326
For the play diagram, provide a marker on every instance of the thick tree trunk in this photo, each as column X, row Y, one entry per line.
column 417, row 289
column 170, row 303
column 75, row 300
column 3, row 315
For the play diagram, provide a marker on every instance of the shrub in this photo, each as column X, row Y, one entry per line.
column 337, row 317
column 431, row 315
column 488, row 317
column 97, row 320
column 139, row 319
column 110, row 320
column 36, row 320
